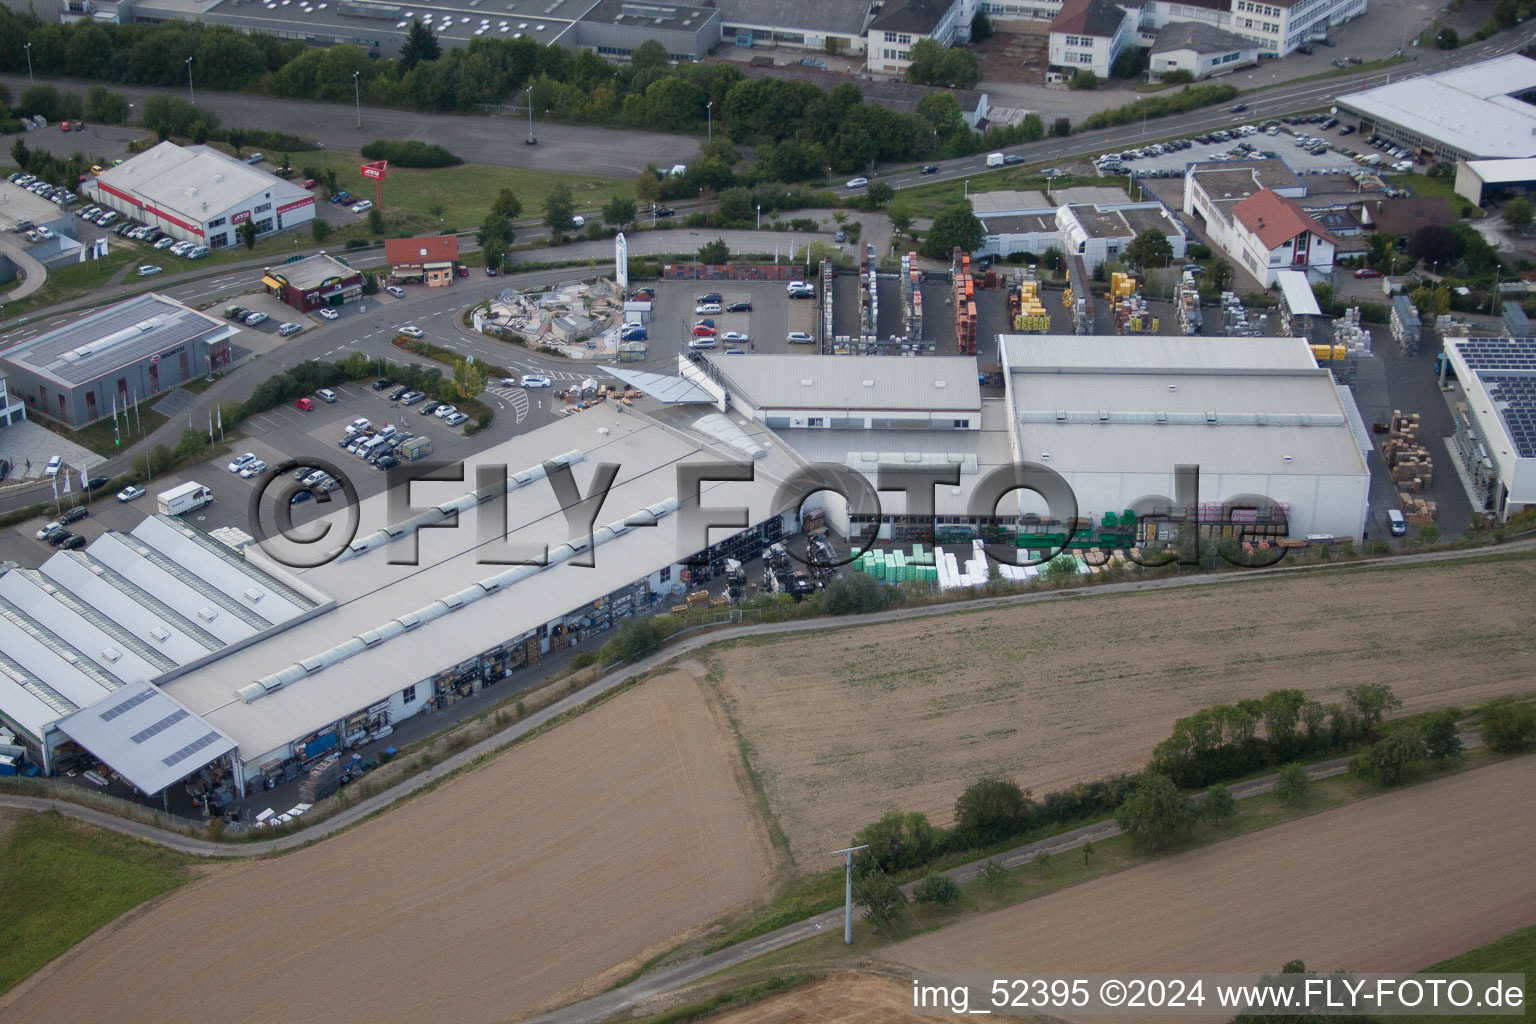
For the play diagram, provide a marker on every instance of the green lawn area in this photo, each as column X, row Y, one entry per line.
column 1424, row 185
column 62, row 880
column 77, row 279
column 1513, row 954
column 100, row 437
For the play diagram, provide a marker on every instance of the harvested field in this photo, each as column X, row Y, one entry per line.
column 1395, row 883
column 844, row 726
column 848, row 999
column 558, row 866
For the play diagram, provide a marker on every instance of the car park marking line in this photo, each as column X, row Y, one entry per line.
column 517, row 397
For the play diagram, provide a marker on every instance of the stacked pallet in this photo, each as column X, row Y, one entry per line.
column 1409, row 462
column 323, row 779
column 1029, row 315
column 1418, row 511
column 965, row 302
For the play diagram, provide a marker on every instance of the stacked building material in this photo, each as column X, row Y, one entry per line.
column 1408, row 460
column 1418, row 511
column 1186, row 305
column 1406, row 326
column 1029, row 315
column 828, row 276
column 965, row 302
column 916, row 566
column 869, row 297
column 1347, row 331
column 911, row 296
column 1132, row 316
column 1237, row 322
column 323, row 779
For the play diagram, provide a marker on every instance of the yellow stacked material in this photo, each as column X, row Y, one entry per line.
column 1066, row 297
column 1121, row 285
column 1040, row 324
column 1029, row 299
column 1324, row 353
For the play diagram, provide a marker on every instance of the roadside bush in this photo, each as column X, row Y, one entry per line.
column 936, row 888
column 411, row 154
column 1218, row 807
column 1292, row 785
column 899, row 841
column 1191, row 97
column 990, row 811
column 1156, row 814
column 1178, row 77
column 1387, row 761
column 1509, row 725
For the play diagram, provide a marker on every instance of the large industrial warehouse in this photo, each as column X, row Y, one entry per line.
column 1496, row 427
column 262, row 668
column 198, row 194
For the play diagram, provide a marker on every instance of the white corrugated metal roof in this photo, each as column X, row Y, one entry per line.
column 195, row 182
column 146, row 736
column 1051, row 352
column 938, row 383
column 1298, row 293
column 1503, row 172
column 1470, row 109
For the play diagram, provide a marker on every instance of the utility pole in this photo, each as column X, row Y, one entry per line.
column 357, row 97
column 709, row 114
column 30, row 79
column 531, row 139
column 191, row 93
column 847, row 856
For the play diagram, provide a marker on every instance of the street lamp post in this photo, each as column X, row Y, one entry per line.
column 531, row 139
column 30, row 79
column 709, row 114
column 357, row 96
column 191, row 93
column 759, row 220
column 322, row 157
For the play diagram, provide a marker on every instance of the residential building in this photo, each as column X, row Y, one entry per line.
column 198, row 194
column 898, row 24
column 1088, row 35
column 1402, row 217
column 314, row 282
column 1199, row 48
column 426, row 259
column 114, row 357
column 1266, row 232
column 1478, row 111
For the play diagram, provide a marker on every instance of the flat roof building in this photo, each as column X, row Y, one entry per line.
column 1115, row 415
column 314, row 282
column 1495, row 438
column 1474, row 177
column 614, row 28
column 1098, row 234
column 1482, row 110
column 796, row 23
column 198, row 194
column 114, row 357
column 1201, row 49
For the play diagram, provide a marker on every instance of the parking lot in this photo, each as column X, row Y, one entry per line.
column 1279, row 140
column 767, row 326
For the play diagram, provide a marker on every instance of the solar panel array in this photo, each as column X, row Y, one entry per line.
column 176, row 325
column 1507, row 368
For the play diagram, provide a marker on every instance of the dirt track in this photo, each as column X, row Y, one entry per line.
column 1395, row 883
column 846, row 725
column 543, row 871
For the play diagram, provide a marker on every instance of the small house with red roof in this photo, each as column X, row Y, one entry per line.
column 1266, row 232
column 428, row 259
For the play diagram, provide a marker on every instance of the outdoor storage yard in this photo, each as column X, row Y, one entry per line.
column 563, row 864
column 844, row 726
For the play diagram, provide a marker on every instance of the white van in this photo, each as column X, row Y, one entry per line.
column 994, row 159
column 358, row 425
column 370, row 446
column 1396, row 521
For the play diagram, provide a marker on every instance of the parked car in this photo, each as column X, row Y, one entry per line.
column 255, row 317
column 461, row 270
column 289, row 329
column 96, row 483
column 929, row 169
column 165, row 243
column 444, row 411
column 197, row 252
column 304, row 404
column 411, row 397
column 239, row 462
column 734, row 337
column 703, row 331
column 536, row 380
column 387, row 462
column 326, row 395
column 707, row 341
column 801, row 290
column 398, row 393
column 707, row 308
column 255, row 158
column 309, row 184
column 181, row 248
column 131, row 493
column 708, row 297
column 61, row 537
column 396, row 291
column 454, row 419
column 412, row 332
column 382, row 384
column 799, row 338
column 74, row 515
column 490, row 271
column 739, row 307
column 429, row 408
column 329, row 314
column 359, row 425
column 362, row 207
column 148, row 270
column 50, row 530
column 342, row 197
column 1367, row 272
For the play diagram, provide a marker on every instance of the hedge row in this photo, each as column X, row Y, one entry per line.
column 411, row 154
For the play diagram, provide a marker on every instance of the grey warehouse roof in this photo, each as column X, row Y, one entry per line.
column 194, row 182
column 1200, row 37
column 147, row 736
column 312, row 271
column 1472, row 109
column 839, row 17
column 854, row 382
column 116, row 336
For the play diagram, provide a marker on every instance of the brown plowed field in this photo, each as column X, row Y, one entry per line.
column 1395, row 883
column 849, row 999
column 844, row 726
column 558, row 866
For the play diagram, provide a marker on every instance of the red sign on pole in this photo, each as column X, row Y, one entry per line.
column 375, row 170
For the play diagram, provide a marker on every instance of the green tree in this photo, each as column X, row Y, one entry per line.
column 958, row 69
column 199, row 132
column 883, row 898
column 923, row 61
column 619, row 211
column 714, row 253
column 1371, row 701
column 495, row 237
column 559, row 208
column 994, row 876
column 879, row 194
column 1442, row 740
column 900, row 841
column 1088, row 852
column 1130, row 64
column 1033, row 127
column 1151, row 248
column 247, row 232
column 649, row 54
column 468, row 378
column 1083, row 80
column 1447, row 39
column 1385, row 762
column 954, row 226
column 991, row 810
column 1518, row 214
column 1508, row 725
column 1043, row 863
column 1061, row 127
column 506, row 205
column 1218, row 807
column 376, row 220
column 648, row 188
column 236, row 139
column 1292, row 783
column 1179, row 76
column 901, row 219
column 936, row 888
column 319, row 229
column 104, row 106
column 420, row 45
column 39, row 99
column 1506, row 13
column 1156, row 813
column 981, row 27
